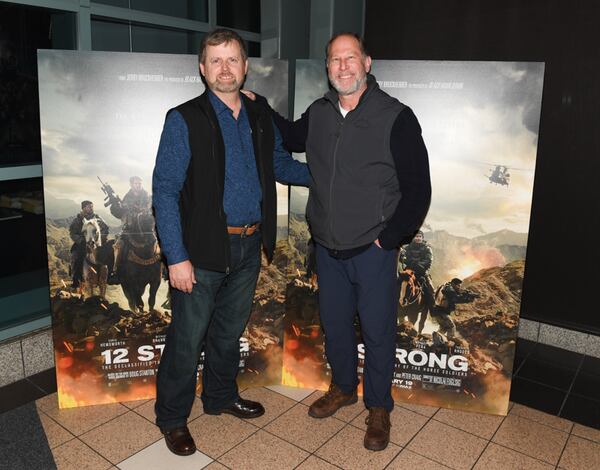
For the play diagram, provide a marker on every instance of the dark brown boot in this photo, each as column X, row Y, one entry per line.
column 332, row 401
column 378, row 429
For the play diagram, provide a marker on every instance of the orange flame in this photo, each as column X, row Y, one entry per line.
column 73, row 392
column 68, row 401
column 288, row 378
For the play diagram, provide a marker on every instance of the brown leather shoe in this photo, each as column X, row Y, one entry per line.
column 378, row 429
column 332, row 401
column 180, row 441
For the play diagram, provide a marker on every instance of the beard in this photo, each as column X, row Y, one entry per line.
column 224, row 87
column 351, row 88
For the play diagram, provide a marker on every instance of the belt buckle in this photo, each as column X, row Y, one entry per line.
column 244, row 230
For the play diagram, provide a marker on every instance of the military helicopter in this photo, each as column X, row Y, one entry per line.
column 499, row 174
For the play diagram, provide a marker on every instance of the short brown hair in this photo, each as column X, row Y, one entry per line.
column 220, row 36
column 361, row 42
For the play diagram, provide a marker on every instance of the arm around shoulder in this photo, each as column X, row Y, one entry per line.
column 293, row 133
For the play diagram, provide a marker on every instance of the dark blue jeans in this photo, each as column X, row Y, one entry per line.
column 213, row 318
column 365, row 283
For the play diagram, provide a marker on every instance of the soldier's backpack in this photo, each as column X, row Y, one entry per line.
column 440, row 298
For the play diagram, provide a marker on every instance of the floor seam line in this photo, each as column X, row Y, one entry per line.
column 401, row 448
column 55, row 422
column 539, row 422
column 278, row 393
column 97, row 426
column 518, row 451
column 563, row 450
column 465, row 431
column 22, row 357
column 243, row 440
column 429, row 419
column 537, row 382
column 141, row 450
column 96, row 452
column 571, row 386
column 38, row 387
column 296, row 445
column 331, row 437
column 490, row 440
column 523, row 453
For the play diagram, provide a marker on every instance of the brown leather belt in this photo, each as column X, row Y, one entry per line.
column 244, row 231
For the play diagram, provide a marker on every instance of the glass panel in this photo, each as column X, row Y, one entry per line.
column 110, row 35
column 190, row 9
column 23, row 298
column 23, row 30
column 114, row 3
column 24, row 270
column 239, row 14
column 170, row 41
column 22, row 226
column 253, row 49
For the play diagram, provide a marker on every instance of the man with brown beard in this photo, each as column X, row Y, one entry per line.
column 215, row 203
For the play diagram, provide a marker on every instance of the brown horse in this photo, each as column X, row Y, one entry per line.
column 142, row 265
column 412, row 300
column 95, row 272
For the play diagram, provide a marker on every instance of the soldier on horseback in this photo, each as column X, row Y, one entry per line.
column 78, row 250
column 417, row 256
column 135, row 202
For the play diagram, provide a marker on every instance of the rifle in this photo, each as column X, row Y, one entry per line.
column 110, row 197
column 469, row 295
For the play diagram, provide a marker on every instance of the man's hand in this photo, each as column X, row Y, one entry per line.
column 249, row 94
column 377, row 243
column 181, row 276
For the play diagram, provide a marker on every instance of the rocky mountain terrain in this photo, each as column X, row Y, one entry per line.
column 59, row 251
column 487, row 326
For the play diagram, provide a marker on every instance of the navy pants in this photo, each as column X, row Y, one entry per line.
column 365, row 283
column 213, row 318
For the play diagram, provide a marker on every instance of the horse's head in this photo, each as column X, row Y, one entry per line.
column 142, row 229
column 145, row 221
column 409, row 288
column 91, row 232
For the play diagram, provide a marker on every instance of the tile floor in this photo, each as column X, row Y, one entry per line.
column 559, row 382
column 123, row 436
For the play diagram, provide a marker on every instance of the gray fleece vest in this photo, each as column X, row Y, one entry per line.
column 355, row 189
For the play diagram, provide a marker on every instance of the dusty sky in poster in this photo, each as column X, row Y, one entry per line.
column 474, row 115
column 102, row 114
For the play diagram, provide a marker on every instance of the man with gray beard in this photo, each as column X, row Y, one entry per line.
column 370, row 191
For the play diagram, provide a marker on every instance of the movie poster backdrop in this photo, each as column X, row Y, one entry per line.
column 455, row 348
column 101, row 118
